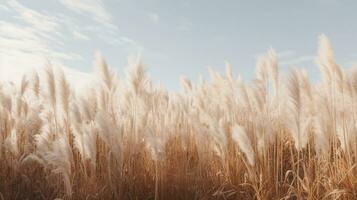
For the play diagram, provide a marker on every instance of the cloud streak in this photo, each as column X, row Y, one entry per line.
column 94, row 8
column 37, row 20
column 29, row 46
column 289, row 57
column 29, row 38
column 3, row 7
column 154, row 17
column 298, row 60
column 110, row 32
column 80, row 36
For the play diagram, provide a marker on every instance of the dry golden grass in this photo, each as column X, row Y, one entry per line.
column 276, row 138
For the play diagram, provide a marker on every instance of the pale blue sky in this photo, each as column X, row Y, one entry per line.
column 174, row 37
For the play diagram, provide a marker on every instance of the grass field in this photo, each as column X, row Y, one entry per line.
column 278, row 137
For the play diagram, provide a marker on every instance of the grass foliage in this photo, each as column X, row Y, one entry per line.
column 279, row 137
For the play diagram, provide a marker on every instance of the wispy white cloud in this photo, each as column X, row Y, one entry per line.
column 298, row 60
column 80, row 36
column 154, row 17
column 29, row 46
column 109, row 32
column 36, row 19
column 3, row 7
column 284, row 54
column 23, row 49
column 280, row 54
column 94, row 8
column 29, row 38
column 289, row 57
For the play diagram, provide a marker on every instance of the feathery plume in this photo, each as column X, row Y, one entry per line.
column 186, row 84
column 60, row 158
column 11, row 143
column 64, row 91
column 295, row 105
column 36, row 84
column 106, row 76
column 240, row 137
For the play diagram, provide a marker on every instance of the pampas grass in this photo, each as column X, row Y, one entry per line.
column 280, row 136
column 240, row 137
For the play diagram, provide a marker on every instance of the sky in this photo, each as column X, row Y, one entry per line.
column 174, row 38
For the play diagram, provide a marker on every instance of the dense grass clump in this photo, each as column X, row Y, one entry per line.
column 279, row 137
